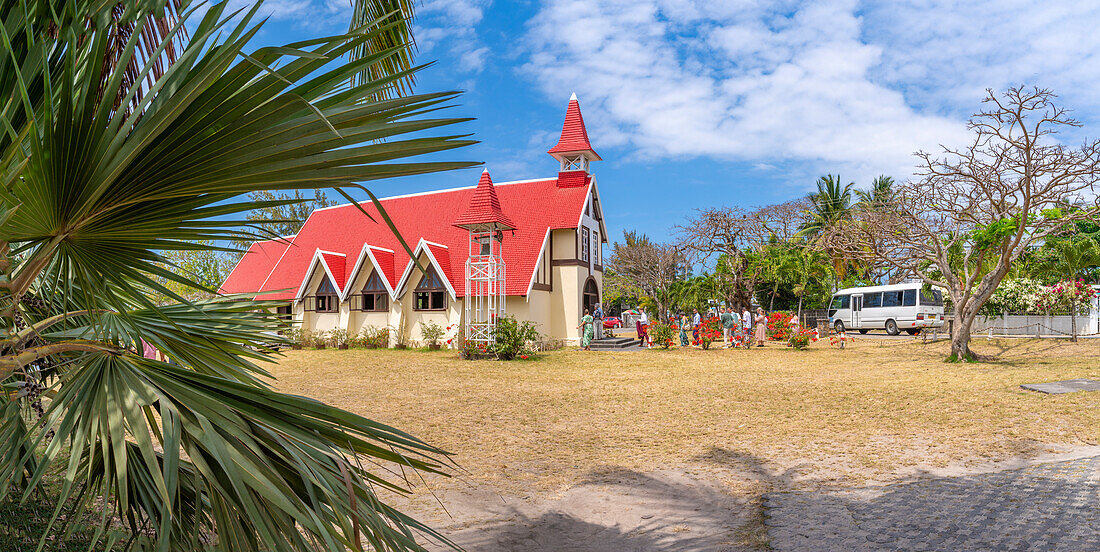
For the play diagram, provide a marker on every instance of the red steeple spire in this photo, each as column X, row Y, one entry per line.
column 574, row 136
column 484, row 208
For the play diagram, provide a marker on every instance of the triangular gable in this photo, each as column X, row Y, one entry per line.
column 380, row 260
column 435, row 252
column 594, row 193
column 323, row 258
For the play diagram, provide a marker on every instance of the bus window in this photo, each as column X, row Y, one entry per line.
column 932, row 298
column 872, row 300
column 909, row 298
column 840, row 302
column 891, row 298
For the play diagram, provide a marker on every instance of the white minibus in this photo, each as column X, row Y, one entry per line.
column 895, row 308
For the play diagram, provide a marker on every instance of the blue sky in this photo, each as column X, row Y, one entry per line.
column 729, row 102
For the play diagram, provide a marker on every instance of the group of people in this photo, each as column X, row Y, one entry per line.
column 589, row 322
column 738, row 329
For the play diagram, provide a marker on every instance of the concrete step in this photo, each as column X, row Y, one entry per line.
column 617, row 343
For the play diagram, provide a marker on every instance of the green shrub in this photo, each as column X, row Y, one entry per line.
column 338, row 337
column 511, row 338
column 431, row 332
column 374, row 338
column 661, row 334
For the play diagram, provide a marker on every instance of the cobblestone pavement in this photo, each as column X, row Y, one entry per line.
column 1048, row 507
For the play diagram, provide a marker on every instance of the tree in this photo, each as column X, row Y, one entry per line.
column 282, row 213
column 204, row 264
column 1070, row 259
column 650, row 267
column 977, row 209
column 881, row 193
column 733, row 237
column 829, row 206
column 200, row 453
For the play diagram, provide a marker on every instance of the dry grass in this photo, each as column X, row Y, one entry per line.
column 782, row 417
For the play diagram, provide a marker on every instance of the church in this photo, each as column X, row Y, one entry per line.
column 532, row 249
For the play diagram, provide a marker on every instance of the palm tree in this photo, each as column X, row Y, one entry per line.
column 1069, row 259
column 830, row 208
column 831, row 204
column 198, row 453
column 881, row 193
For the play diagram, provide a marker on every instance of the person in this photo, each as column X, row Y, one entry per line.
column 695, row 321
column 761, row 323
column 727, row 324
column 597, row 320
column 643, row 329
column 746, row 325
column 684, row 330
column 586, row 331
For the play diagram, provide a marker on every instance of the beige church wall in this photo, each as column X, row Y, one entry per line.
column 568, row 282
column 414, row 319
column 535, row 308
column 565, row 244
column 358, row 320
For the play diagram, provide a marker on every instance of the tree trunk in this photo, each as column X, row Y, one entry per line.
column 775, row 289
column 800, row 307
column 960, row 337
column 1073, row 317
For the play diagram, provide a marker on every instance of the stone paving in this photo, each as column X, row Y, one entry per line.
column 1048, row 507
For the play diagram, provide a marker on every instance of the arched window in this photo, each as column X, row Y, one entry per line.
column 430, row 293
column 326, row 300
column 375, row 298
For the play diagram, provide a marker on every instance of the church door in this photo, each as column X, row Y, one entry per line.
column 591, row 295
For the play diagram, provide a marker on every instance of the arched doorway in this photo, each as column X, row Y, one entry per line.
column 591, row 295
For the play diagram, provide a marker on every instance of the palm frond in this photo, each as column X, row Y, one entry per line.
column 198, row 453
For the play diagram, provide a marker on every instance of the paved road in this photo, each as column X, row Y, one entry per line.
column 1048, row 507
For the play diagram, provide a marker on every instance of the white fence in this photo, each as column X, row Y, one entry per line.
column 1035, row 324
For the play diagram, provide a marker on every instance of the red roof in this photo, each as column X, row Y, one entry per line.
column 535, row 205
column 574, row 136
column 255, row 265
column 337, row 265
column 484, row 207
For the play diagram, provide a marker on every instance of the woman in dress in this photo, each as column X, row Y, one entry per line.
column 586, row 331
column 684, row 330
column 761, row 323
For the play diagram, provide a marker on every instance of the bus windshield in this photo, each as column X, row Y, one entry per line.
column 931, row 297
column 840, row 302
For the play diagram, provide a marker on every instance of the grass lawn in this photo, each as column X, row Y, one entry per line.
column 875, row 411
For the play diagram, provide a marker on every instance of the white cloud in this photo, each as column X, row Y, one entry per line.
column 453, row 25
column 827, row 83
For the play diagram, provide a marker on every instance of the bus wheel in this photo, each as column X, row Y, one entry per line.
column 863, row 332
column 891, row 327
column 839, row 326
